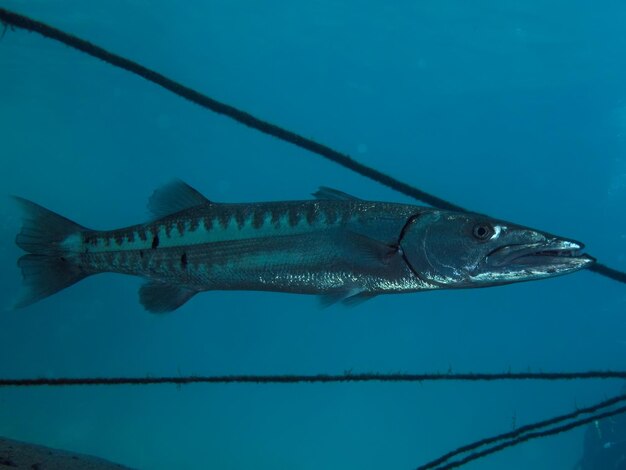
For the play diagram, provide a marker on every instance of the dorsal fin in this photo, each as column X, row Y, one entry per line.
column 174, row 197
column 325, row 193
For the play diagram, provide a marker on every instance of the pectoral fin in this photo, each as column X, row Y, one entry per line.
column 369, row 249
column 366, row 252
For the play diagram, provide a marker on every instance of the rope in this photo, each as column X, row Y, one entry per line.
column 312, row 378
column 497, row 443
column 604, row 270
column 524, row 433
column 530, row 436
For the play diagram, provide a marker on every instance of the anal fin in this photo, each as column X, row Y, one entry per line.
column 349, row 298
column 160, row 297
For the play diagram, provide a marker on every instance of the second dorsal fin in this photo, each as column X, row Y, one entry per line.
column 174, row 197
column 326, row 193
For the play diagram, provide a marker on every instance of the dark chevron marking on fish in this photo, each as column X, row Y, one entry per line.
column 343, row 248
column 258, row 218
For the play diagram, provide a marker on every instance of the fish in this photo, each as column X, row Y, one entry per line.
column 337, row 246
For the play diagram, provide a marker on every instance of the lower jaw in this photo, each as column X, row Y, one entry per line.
column 553, row 264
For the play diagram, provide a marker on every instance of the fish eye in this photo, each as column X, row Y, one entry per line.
column 483, row 231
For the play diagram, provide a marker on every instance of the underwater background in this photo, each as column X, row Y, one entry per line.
column 515, row 109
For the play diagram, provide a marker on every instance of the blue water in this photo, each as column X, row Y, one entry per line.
column 516, row 109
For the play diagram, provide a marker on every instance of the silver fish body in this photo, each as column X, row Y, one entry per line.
column 336, row 246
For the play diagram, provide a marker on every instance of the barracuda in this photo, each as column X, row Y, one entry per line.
column 336, row 246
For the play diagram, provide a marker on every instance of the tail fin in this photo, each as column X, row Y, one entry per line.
column 48, row 268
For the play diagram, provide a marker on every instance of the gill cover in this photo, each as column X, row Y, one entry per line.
column 442, row 247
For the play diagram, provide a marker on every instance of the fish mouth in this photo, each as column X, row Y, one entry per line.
column 552, row 257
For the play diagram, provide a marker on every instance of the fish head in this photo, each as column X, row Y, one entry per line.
column 455, row 249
